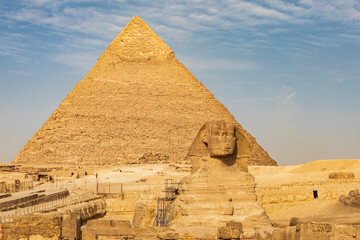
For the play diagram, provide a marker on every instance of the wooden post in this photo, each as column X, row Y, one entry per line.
column 97, row 185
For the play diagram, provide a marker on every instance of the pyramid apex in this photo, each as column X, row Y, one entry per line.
column 138, row 42
column 136, row 17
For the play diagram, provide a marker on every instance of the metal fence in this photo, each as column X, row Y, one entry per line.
column 85, row 184
column 91, row 185
column 9, row 216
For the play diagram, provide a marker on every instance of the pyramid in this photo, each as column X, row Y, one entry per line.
column 138, row 100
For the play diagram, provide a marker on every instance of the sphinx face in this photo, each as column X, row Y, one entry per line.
column 221, row 141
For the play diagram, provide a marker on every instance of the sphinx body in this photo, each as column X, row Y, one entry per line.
column 220, row 189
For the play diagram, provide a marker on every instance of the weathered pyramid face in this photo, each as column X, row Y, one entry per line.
column 138, row 100
column 137, row 42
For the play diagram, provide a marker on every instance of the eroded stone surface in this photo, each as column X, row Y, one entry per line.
column 341, row 175
column 219, row 191
column 352, row 199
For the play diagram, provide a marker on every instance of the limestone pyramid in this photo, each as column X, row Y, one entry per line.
column 137, row 100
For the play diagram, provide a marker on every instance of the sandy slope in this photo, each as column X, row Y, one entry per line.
column 289, row 189
column 311, row 171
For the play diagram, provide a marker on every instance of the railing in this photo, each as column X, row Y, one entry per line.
column 9, row 216
column 16, row 187
column 91, row 185
column 83, row 184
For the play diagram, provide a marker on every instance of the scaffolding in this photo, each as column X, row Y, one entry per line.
column 163, row 204
column 162, row 212
column 171, row 189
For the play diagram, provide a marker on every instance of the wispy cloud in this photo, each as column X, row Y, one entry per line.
column 287, row 95
column 98, row 22
column 345, row 11
column 88, row 20
column 13, row 45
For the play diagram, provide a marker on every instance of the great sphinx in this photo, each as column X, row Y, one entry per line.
column 220, row 146
column 220, row 189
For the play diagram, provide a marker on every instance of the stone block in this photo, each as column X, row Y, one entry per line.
column 228, row 233
column 197, row 232
column 71, row 226
column 319, row 231
column 168, row 235
column 88, row 235
column 109, row 227
column 237, row 225
column 278, row 234
column 347, row 231
column 288, row 233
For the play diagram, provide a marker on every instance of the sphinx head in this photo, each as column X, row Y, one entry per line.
column 220, row 138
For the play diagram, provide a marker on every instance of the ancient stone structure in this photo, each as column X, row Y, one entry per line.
column 341, row 175
column 315, row 230
column 223, row 144
column 64, row 223
column 219, row 190
column 138, row 100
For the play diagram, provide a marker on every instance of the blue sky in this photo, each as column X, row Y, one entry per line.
column 289, row 71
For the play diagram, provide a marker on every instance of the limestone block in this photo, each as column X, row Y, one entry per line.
column 109, row 227
column 168, row 235
column 86, row 210
column 41, row 226
column 39, row 237
column 116, row 238
column 279, row 234
column 237, row 225
column 198, row 232
column 121, row 205
column 228, row 233
column 71, row 226
column 351, row 231
column 320, row 231
column 288, row 233
column 145, row 212
column 88, row 235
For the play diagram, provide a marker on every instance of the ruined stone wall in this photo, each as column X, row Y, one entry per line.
column 63, row 224
column 138, row 99
column 323, row 231
column 274, row 197
column 35, row 226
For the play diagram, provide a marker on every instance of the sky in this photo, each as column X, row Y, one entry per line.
column 289, row 71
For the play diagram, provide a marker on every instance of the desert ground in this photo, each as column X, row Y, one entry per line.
column 285, row 192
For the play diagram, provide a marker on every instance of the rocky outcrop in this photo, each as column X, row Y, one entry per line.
column 138, row 100
column 352, row 199
column 341, row 175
